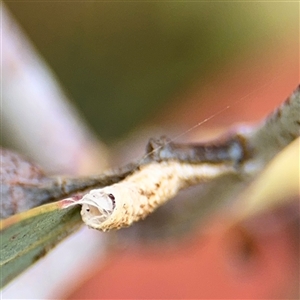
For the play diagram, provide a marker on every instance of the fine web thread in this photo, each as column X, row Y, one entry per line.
column 207, row 119
column 129, row 205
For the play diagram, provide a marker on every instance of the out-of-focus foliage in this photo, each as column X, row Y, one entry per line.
column 120, row 61
column 276, row 186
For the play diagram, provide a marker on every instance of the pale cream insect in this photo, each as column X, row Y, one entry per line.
column 132, row 199
column 153, row 184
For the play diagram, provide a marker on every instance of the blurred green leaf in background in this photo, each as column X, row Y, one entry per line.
column 127, row 64
column 122, row 61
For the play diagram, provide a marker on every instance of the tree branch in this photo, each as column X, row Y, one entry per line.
column 167, row 168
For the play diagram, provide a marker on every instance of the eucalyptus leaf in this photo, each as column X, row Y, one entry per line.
column 27, row 236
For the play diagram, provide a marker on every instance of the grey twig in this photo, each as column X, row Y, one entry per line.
column 278, row 130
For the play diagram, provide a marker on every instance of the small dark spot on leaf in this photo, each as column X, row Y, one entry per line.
column 14, row 236
column 42, row 253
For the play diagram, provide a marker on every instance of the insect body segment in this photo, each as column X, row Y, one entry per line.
column 97, row 206
column 132, row 199
column 115, row 206
column 168, row 167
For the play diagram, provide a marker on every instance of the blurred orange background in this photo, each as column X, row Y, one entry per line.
column 216, row 263
column 129, row 66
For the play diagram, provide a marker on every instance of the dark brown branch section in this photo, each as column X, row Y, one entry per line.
column 23, row 190
column 233, row 150
column 20, row 194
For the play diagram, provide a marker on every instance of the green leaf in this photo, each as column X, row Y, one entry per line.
column 27, row 236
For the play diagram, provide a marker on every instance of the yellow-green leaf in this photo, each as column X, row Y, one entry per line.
column 27, row 236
